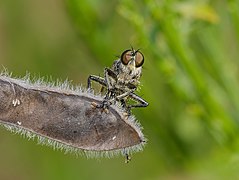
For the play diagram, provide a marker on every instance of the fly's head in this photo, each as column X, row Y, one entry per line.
column 129, row 68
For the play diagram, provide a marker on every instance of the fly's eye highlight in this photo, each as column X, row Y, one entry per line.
column 126, row 57
column 139, row 59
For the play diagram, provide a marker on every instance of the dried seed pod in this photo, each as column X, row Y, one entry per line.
column 66, row 118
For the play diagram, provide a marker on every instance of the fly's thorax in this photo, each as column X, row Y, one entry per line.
column 128, row 80
column 127, row 73
column 127, row 76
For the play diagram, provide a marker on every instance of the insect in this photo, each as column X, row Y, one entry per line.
column 121, row 81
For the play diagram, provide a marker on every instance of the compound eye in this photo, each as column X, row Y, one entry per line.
column 139, row 59
column 126, row 56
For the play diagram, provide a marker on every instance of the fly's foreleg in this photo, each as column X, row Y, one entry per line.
column 109, row 97
column 141, row 101
column 105, row 82
column 133, row 96
column 97, row 79
column 109, row 73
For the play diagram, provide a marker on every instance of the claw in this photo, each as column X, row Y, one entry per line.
column 104, row 106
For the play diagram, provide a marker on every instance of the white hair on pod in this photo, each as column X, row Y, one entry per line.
column 66, row 88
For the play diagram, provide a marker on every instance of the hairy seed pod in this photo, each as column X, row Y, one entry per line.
column 67, row 118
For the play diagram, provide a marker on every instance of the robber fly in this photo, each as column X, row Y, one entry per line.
column 122, row 80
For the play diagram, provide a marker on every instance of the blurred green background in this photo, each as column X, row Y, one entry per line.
column 190, row 79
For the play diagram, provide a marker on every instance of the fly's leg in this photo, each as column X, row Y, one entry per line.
column 121, row 98
column 109, row 73
column 101, row 81
column 133, row 96
column 110, row 94
column 105, row 82
column 102, row 89
column 98, row 79
column 123, row 103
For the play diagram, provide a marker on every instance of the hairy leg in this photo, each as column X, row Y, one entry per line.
column 98, row 79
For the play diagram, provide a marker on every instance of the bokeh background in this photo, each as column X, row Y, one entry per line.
column 190, row 79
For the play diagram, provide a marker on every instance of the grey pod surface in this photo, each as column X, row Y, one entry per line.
column 67, row 118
